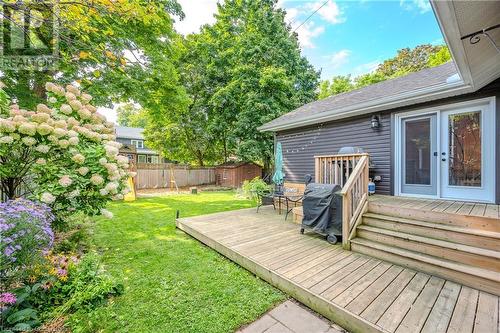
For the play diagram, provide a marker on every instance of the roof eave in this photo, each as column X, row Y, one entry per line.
column 391, row 102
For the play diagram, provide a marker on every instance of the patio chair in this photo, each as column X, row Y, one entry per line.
column 292, row 199
column 268, row 197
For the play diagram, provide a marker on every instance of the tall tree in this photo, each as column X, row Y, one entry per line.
column 131, row 115
column 239, row 73
column 408, row 60
column 338, row 84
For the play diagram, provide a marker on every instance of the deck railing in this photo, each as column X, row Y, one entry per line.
column 351, row 172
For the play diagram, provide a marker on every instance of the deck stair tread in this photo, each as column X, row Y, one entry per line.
column 432, row 225
column 440, row 262
column 432, row 241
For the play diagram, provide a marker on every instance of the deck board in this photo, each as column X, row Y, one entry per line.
column 440, row 205
column 361, row 293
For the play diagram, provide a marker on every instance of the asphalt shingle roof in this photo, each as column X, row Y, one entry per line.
column 418, row 80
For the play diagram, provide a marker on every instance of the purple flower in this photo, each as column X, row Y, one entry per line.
column 8, row 298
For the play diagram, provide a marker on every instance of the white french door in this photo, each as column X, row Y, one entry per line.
column 447, row 153
column 467, row 157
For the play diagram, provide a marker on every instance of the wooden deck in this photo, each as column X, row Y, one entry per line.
column 360, row 293
column 463, row 208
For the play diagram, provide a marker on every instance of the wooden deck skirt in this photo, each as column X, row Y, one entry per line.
column 360, row 293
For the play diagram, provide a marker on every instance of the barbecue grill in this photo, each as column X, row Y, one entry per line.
column 322, row 209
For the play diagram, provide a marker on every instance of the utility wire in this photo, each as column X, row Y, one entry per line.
column 311, row 15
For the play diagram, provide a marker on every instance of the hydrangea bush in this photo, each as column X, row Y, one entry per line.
column 64, row 153
column 25, row 237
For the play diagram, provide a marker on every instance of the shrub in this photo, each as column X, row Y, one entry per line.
column 74, row 234
column 25, row 234
column 64, row 285
column 65, row 149
column 254, row 186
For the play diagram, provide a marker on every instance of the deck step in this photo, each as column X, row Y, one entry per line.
column 461, row 235
column 466, row 254
column 480, row 223
column 476, row 277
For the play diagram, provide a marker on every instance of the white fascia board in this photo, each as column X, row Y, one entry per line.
column 444, row 11
column 381, row 104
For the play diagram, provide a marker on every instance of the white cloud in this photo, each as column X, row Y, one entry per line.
column 423, row 6
column 368, row 67
column 339, row 58
column 197, row 13
column 307, row 32
column 330, row 12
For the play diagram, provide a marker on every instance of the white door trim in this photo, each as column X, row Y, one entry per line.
column 490, row 103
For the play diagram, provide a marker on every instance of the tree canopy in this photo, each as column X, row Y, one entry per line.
column 239, row 73
column 406, row 61
column 116, row 50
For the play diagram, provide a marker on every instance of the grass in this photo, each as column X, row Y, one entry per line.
column 172, row 282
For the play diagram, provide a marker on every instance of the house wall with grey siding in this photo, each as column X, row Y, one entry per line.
column 301, row 145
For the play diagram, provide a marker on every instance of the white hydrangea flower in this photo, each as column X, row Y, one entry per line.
column 73, row 194
column 83, row 171
column 76, row 105
column 103, row 161
column 63, row 143
column 104, row 192
column 78, row 158
column 47, row 198
column 6, row 139
column 70, row 96
column 59, row 132
column 66, row 109
column 52, row 100
column 44, row 149
column 44, row 129
column 41, row 161
column 73, row 141
column 27, row 129
column 28, row 141
column 96, row 179
column 65, row 181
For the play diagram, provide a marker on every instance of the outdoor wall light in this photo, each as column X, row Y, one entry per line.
column 375, row 122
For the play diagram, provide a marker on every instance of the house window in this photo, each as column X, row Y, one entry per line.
column 152, row 159
column 224, row 174
column 141, row 159
column 130, row 157
column 137, row 143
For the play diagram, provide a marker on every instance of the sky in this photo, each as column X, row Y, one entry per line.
column 342, row 37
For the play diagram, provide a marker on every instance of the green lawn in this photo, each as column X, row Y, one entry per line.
column 172, row 282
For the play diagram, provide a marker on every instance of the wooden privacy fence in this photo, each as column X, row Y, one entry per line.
column 351, row 172
column 160, row 175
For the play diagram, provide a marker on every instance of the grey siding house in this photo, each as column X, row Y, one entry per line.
column 431, row 134
column 132, row 137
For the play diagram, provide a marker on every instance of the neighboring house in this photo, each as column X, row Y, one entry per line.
column 233, row 174
column 430, row 134
column 134, row 146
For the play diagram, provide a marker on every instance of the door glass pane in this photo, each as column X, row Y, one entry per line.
column 464, row 134
column 418, row 152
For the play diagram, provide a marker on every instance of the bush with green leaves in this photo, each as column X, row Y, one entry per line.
column 63, row 153
column 69, row 285
column 251, row 188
